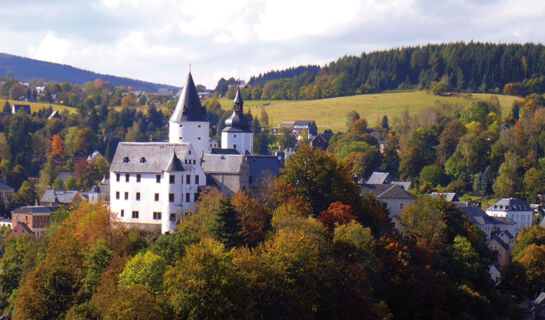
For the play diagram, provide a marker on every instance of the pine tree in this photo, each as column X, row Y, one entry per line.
column 226, row 225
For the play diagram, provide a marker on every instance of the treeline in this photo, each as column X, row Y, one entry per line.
column 281, row 74
column 305, row 246
column 468, row 67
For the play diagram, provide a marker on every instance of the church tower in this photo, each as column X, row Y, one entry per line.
column 237, row 134
column 188, row 121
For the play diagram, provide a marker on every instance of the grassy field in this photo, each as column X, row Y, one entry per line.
column 331, row 113
column 36, row 106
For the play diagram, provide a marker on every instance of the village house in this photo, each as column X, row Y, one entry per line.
column 20, row 108
column 395, row 197
column 35, row 218
column 55, row 198
column 517, row 210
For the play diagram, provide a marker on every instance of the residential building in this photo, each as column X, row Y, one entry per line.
column 517, row 210
column 502, row 250
column 448, row 196
column 385, row 178
column 5, row 193
column 395, row 197
column 21, row 229
column 300, row 126
column 55, row 198
column 492, row 226
column 36, row 218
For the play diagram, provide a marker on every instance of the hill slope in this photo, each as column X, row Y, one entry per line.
column 26, row 69
column 331, row 113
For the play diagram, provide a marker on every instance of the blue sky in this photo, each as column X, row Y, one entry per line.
column 156, row 40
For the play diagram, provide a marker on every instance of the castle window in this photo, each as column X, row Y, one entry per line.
column 188, row 179
column 138, row 176
column 127, row 177
column 135, row 214
column 198, row 138
column 122, row 213
column 138, row 196
column 158, row 178
column 117, row 177
column 117, row 195
column 126, row 196
column 195, row 197
column 142, row 160
column 171, row 197
column 172, row 217
column 196, row 179
column 187, row 197
column 235, row 135
column 194, row 161
column 172, row 179
column 126, row 160
column 189, row 151
column 181, row 125
column 234, row 146
column 157, row 216
column 156, row 197
column 199, row 125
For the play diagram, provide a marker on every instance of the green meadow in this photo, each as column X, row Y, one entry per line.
column 331, row 113
column 37, row 106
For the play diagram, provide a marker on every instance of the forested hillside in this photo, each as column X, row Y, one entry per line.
column 281, row 74
column 26, row 69
column 475, row 67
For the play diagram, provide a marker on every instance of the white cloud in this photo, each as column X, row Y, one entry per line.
column 51, row 48
column 155, row 40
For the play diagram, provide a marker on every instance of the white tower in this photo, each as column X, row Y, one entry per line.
column 237, row 134
column 188, row 121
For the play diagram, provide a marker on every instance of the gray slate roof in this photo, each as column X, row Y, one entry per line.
column 510, row 204
column 378, row 178
column 406, row 185
column 260, row 166
column 17, row 107
column 5, row 187
column 479, row 217
column 385, row 191
column 449, row 196
column 223, row 163
column 224, row 151
column 34, row 210
column 501, row 243
column 59, row 196
column 148, row 157
column 189, row 106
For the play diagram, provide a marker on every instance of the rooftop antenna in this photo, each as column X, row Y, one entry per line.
column 190, row 65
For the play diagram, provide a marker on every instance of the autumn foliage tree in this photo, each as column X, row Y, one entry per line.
column 337, row 214
column 57, row 147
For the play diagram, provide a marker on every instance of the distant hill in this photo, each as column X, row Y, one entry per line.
column 26, row 69
column 282, row 74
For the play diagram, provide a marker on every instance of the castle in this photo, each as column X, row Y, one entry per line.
column 154, row 184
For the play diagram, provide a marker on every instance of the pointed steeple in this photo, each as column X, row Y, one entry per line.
column 237, row 121
column 238, row 102
column 189, row 106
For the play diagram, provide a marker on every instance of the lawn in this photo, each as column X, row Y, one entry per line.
column 36, row 106
column 331, row 113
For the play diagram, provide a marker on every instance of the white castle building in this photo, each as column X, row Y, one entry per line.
column 154, row 184
column 517, row 210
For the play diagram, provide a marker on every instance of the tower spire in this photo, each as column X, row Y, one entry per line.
column 189, row 106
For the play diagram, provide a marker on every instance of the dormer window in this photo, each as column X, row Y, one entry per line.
column 142, row 160
column 126, row 160
column 189, row 151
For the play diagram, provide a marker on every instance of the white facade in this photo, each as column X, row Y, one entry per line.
column 523, row 219
column 196, row 133
column 158, row 199
column 243, row 142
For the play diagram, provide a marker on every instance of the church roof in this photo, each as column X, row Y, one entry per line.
column 189, row 106
column 238, row 121
column 223, row 163
column 150, row 157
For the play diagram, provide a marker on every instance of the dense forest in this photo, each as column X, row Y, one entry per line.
column 281, row 74
column 473, row 67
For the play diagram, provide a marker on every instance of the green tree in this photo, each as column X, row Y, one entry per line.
column 14, row 250
column 320, row 179
column 509, row 180
column 205, row 284
column 98, row 260
column 146, row 270
column 225, row 226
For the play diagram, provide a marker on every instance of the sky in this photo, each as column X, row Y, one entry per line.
column 158, row 40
